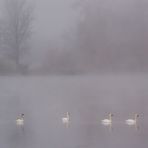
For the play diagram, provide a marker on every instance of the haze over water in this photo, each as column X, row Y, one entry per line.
column 88, row 58
column 89, row 99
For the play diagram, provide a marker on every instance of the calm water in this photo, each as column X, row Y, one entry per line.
column 45, row 100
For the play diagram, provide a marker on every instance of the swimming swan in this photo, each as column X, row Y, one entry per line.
column 132, row 121
column 108, row 121
column 20, row 120
column 66, row 119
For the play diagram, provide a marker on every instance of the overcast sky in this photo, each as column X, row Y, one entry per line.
column 125, row 25
column 52, row 18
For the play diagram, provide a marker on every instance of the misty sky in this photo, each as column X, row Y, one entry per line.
column 52, row 18
column 125, row 24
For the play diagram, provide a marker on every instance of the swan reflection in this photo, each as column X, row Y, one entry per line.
column 108, row 122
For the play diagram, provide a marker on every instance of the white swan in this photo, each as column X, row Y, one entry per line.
column 132, row 121
column 108, row 121
column 66, row 119
column 20, row 120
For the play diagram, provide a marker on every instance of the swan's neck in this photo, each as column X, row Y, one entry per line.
column 110, row 117
column 67, row 115
column 135, row 118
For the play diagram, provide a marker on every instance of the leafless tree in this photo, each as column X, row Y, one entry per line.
column 18, row 29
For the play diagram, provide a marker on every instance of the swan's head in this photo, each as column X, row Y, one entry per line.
column 111, row 115
column 136, row 115
column 22, row 115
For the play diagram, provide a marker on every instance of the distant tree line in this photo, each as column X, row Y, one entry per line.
column 108, row 37
column 113, row 37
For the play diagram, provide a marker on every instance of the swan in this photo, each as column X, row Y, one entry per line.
column 66, row 119
column 108, row 121
column 132, row 121
column 20, row 120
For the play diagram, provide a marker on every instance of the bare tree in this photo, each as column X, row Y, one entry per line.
column 18, row 29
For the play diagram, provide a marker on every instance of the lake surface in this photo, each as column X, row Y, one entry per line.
column 89, row 99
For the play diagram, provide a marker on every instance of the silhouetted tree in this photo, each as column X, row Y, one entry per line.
column 18, row 29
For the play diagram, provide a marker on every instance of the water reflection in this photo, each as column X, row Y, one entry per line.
column 135, row 126
column 109, row 126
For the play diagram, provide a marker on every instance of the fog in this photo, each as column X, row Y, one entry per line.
column 77, row 36
column 84, row 57
column 88, row 99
